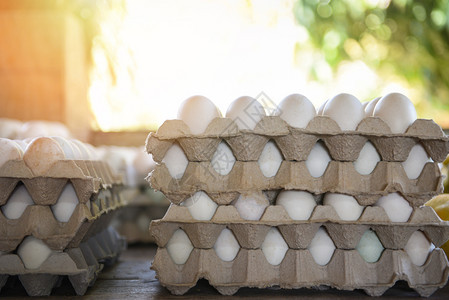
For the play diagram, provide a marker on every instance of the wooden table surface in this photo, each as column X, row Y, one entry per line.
column 131, row 278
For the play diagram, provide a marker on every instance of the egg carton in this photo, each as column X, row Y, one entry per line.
column 298, row 234
column 295, row 144
column 81, row 265
column 339, row 177
column 347, row 270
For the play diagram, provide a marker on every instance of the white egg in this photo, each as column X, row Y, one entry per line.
column 66, row 204
column 347, row 207
column 296, row 110
column 19, row 200
column 9, row 150
column 318, row 160
column 200, row 206
column 33, row 129
column 321, row 247
column 298, row 204
column 346, row 110
column 321, row 108
column 367, row 160
column 42, row 153
column 226, row 245
column 397, row 111
column 33, row 252
column 223, row 159
column 397, row 208
column 369, row 247
column 369, row 108
column 418, row 248
column 415, row 161
column 274, row 247
column 246, row 112
column 251, row 206
column 22, row 144
column 197, row 112
column 83, row 152
column 176, row 161
column 270, row 159
column 179, row 247
column 66, row 146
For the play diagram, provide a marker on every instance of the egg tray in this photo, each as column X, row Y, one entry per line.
column 298, row 234
column 339, row 177
column 295, row 144
column 81, row 265
column 347, row 270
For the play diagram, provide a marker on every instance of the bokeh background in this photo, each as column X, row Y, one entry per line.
column 125, row 65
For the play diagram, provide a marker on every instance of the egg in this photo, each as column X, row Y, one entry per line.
column 321, row 247
column 270, row 159
column 197, row 112
column 9, row 150
column 274, row 247
column 226, row 246
column 179, row 247
column 143, row 162
column 298, row 204
column 83, row 152
column 296, row 110
column 415, row 161
column 346, row 110
column 33, row 252
column 369, row 108
column 418, row 248
column 176, row 161
column 22, row 144
column 66, row 146
column 397, row 208
column 367, row 160
column 66, row 204
column 397, row 111
column 318, row 160
column 347, row 207
column 321, row 108
column 17, row 202
column 246, row 112
column 369, row 247
column 32, row 129
column 200, row 206
column 251, row 206
column 223, row 159
column 41, row 154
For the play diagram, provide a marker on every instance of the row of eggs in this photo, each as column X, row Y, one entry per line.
column 299, row 205
column 321, row 247
column 345, row 109
column 271, row 158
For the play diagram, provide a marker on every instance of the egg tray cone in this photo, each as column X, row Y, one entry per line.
column 80, row 264
column 296, row 144
column 251, row 269
column 346, row 271
column 339, row 177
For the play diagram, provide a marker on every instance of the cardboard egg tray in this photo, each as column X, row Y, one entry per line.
column 347, row 270
column 97, row 190
column 295, row 144
column 80, row 264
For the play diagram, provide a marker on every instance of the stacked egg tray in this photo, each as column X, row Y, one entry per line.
column 346, row 270
column 79, row 245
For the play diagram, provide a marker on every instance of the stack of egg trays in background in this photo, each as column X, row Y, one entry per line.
column 346, row 270
column 79, row 247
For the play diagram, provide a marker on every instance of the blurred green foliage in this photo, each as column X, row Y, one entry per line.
column 407, row 37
